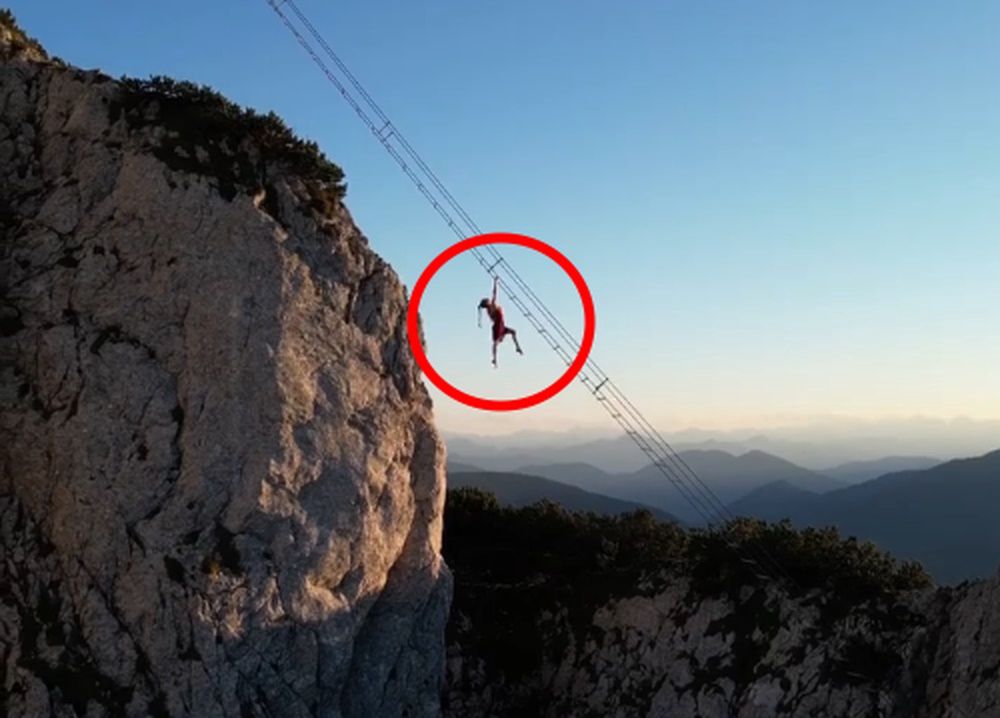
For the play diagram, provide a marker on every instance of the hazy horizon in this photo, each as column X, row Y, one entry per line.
column 817, row 445
column 773, row 425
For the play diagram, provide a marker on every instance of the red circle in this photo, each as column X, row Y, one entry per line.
column 413, row 328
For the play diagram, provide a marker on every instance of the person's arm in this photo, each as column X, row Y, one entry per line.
column 496, row 281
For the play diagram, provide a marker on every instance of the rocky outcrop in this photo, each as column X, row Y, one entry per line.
column 572, row 636
column 221, row 487
column 932, row 655
column 957, row 672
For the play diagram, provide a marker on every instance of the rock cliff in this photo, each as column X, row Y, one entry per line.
column 595, row 634
column 221, row 488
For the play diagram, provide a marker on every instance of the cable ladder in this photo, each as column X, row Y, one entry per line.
column 702, row 499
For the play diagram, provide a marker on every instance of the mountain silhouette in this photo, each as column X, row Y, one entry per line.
column 461, row 466
column 727, row 476
column 579, row 474
column 823, row 444
column 775, row 501
column 947, row 517
column 515, row 489
column 854, row 472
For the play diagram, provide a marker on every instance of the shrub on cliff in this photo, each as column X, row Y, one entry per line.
column 206, row 131
column 207, row 128
column 13, row 39
column 513, row 565
column 811, row 557
column 513, row 545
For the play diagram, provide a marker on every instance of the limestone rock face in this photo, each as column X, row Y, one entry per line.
column 221, row 489
column 931, row 653
column 961, row 669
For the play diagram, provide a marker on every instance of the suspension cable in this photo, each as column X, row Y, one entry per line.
column 702, row 499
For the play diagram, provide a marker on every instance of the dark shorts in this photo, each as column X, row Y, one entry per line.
column 499, row 331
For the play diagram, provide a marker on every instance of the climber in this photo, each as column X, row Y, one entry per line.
column 500, row 330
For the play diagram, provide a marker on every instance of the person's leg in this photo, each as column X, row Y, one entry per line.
column 513, row 335
column 497, row 338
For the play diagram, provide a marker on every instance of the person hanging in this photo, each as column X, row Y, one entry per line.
column 495, row 313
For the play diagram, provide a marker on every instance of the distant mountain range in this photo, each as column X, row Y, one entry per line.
column 610, row 454
column 854, row 472
column 460, row 466
column 774, row 501
column 728, row 477
column 817, row 445
column 517, row 489
column 947, row 517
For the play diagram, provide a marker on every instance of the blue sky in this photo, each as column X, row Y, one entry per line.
column 783, row 210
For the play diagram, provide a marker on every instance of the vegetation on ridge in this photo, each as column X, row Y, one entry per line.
column 545, row 538
column 208, row 134
column 13, row 39
column 517, row 569
column 206, row 129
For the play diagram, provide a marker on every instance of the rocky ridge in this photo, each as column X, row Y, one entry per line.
column 758, row 656
column 584, row 636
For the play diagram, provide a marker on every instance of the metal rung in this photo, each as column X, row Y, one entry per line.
column 598, row 387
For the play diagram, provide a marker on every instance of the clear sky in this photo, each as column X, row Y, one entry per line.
column 783, row 209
